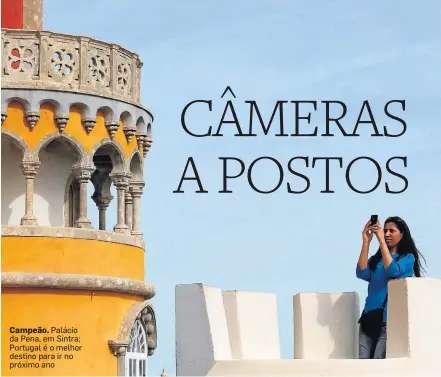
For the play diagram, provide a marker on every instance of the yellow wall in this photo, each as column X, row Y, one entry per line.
column 96, row 315
column 72, row 256
column 46, row 125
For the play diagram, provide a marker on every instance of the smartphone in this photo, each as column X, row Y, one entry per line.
column 374, row 219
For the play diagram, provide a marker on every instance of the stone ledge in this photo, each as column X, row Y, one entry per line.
column 398, row 367
column 76, row 233
column 79, row 282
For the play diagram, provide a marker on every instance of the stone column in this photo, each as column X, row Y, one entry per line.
column 102, row 202
column 129, row 208
column 120, row 180
column 29, row 169
column 136, row 190
column 82, row 175
column 119, row 349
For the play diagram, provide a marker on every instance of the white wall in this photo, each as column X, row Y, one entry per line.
column 415, row 307
column 252, row 324
column 326, row 331
column 13, row 183
column 330, row 317
column 201, row 329
column 50, row 184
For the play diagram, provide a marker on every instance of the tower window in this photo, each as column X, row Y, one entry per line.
column 136, row 353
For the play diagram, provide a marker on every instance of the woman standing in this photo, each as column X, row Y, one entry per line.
column 397, row 257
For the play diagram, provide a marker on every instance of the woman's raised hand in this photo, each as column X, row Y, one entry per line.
column 367, row 233
column 377, row 229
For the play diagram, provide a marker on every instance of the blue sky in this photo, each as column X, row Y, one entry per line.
column 269, row 51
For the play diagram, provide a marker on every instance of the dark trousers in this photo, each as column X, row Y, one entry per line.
column 372, row 348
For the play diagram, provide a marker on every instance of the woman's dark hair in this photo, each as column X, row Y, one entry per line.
column 404, row 247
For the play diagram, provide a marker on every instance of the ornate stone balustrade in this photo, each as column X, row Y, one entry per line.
column 54, row 61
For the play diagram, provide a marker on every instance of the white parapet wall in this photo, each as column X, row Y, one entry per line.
column 235, row 333
column 252, row 325
column 201, row 329
column 414, row 330
column 325, row 325
column 213, row 325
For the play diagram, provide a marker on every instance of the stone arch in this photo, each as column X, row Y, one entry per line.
column 126, row 118
column 58, row 154
column 27, row 107
column 13, row 186
column 84, row 109
column 140, row 125
column 52, row 102
column 61, row 115
column 71, row 200
column 136, row 166
column 107, row 113
column 115, row 151
column 110, row 165
column 149, row 130
column 81, row 157
column 144, row 312
column 19, row 142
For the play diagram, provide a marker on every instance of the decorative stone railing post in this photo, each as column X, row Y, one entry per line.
column 129, row 208
column 29, row 169
column 136, row 190
column 120, row 180
column 82, row 175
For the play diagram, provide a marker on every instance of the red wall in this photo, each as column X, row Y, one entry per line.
column 12, row 14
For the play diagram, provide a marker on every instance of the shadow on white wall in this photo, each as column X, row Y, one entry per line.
column 211, row 333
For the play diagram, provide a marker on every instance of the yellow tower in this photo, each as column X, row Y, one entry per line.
column 74, row 299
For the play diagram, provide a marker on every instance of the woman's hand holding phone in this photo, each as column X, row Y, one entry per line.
column 367, row 233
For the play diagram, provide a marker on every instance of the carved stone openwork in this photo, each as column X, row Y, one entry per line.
column 64, row 61
column 46, row 60
column 124, row 75
column 21, row 57
column 99, row 65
